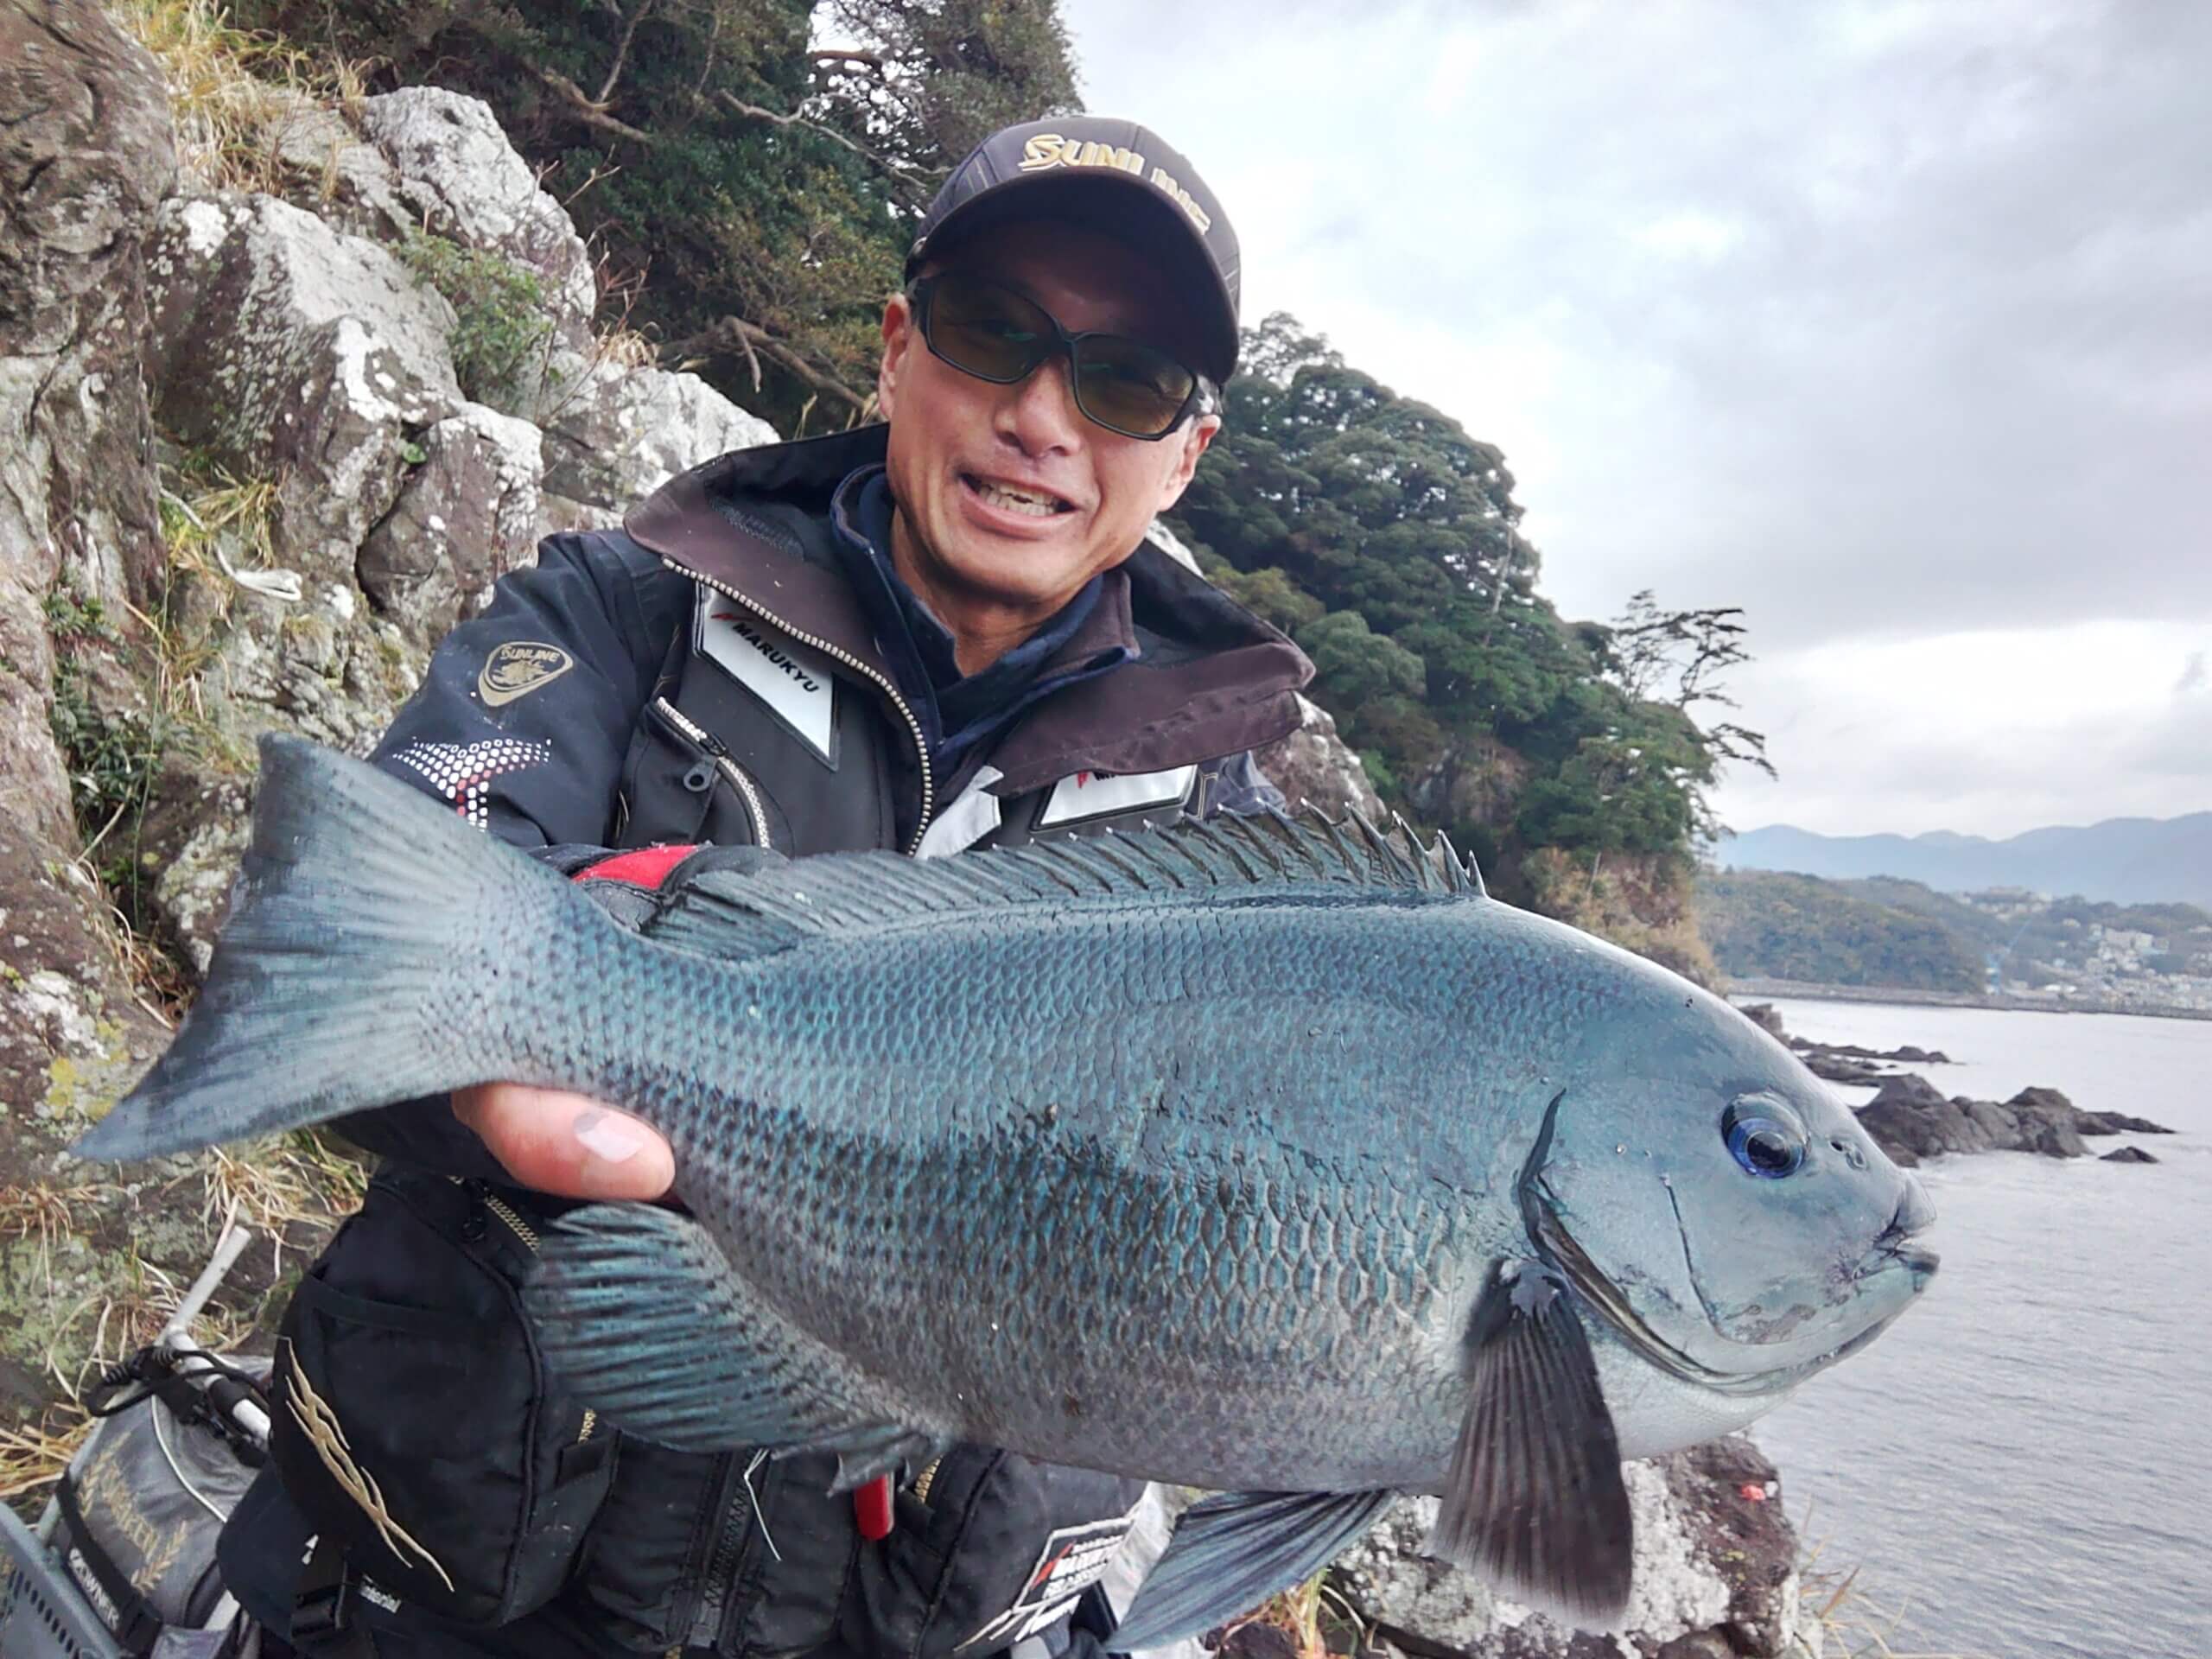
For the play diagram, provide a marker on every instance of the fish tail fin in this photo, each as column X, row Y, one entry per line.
column 364, row 922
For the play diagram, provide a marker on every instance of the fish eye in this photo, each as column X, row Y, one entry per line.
column 1764, row 1137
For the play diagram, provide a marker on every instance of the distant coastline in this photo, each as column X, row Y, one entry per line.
column 1748, row 986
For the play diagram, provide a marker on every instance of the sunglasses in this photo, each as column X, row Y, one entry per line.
column 995, row 334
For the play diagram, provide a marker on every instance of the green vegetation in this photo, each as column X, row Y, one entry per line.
column 752, row 168
column 112, row 757
column 500, row 305
column 2043, row 940
column 1881, row 930
column 1387, row 541
column 1770, row 926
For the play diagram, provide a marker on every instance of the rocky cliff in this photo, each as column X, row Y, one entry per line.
column 272, row 417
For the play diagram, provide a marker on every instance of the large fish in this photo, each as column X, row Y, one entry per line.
column 1254, row 1156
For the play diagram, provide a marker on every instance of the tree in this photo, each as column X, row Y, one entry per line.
column 1433, row 646
column 1357, row 668
column 1678, row 658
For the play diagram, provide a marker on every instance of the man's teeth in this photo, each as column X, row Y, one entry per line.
column 1036, row 507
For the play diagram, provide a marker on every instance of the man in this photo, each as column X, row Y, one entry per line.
column 942, row 632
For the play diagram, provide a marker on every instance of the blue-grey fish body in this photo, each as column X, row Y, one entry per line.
column 1255, row 1158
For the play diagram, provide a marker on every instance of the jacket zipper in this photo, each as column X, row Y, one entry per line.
column 721, row 1571
column 755, row 811
column 480, row 1194
column 922, row 1481
column 913, row 726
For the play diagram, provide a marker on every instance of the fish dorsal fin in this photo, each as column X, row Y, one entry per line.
column 776, row 905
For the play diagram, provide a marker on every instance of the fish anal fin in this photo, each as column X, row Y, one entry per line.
column 642, row 1318
column 1535, row 1501
column 1230, row 1552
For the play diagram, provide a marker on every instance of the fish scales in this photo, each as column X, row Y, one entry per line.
column 863, row 1175
column 1253, row 1156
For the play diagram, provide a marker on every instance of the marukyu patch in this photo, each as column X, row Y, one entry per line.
column 462, row 773
column 519, row 668
column 1073, row 1559
column 792, row 679
column 1085, row 795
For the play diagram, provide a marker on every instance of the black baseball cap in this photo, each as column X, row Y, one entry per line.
column 1095, row 171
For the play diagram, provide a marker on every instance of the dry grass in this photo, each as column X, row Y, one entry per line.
column 222, row 526
column 230, row 90
column 271, row 1185
column 32, row 1457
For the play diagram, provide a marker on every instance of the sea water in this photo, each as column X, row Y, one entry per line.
column 2025, row 1460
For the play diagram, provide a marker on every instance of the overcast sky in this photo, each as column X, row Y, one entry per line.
column 1890, row 323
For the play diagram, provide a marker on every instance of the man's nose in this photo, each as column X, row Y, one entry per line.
column 1039, row 414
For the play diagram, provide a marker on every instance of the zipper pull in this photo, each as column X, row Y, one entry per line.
column 478, row 1221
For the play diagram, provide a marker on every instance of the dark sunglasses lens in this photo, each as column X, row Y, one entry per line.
column 1130, row 387
column 986, row 330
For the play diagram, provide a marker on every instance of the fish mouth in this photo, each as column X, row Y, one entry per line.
column 1558, row 1248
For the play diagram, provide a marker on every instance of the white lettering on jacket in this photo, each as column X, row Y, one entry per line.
column 1096, row 795
column 792, row 679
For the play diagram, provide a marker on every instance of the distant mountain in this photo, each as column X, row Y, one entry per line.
column 2121, row 861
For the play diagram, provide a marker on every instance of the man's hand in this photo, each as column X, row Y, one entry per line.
column 568, row 1144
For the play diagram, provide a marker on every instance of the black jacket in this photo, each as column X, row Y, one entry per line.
column 706, row 674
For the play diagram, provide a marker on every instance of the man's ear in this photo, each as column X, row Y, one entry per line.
column 1193, row 442
column 899, row 336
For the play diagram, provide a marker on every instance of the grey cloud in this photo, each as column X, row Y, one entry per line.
column 1955, row 365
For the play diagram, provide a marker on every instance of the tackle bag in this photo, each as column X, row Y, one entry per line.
column 134, row 1522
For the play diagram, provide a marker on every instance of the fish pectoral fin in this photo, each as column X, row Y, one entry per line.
column 1535, row 1500
column 1230, row 1552
column 643, row 1318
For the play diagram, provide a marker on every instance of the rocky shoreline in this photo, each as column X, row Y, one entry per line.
column 1910, row 1119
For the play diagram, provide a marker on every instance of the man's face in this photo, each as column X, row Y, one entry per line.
column 958, row 442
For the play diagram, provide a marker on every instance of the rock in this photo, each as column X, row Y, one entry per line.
column 2128, row 1155
column 1907, row 1055
column 261, row 311
column 1710, row 1562
column 466, row 181
column 1836, row 1068
column 1909, row 1116
column 331, row 171
column 1258, row 1640
column 616, row 435
column 1173, row 545
column 86, row 153
column 1313, row 767
column 2047, row 1129
column 466, row 515
column 2117, row 1124
column 1766, row 1017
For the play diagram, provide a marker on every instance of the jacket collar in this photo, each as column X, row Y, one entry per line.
column 1208, row 678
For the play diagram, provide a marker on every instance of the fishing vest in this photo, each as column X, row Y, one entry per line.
column 754, row 737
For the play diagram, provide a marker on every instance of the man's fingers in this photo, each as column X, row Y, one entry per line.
column 568, row 1144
